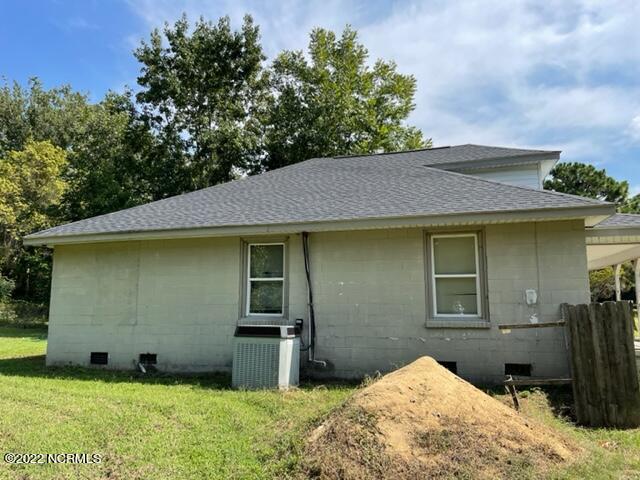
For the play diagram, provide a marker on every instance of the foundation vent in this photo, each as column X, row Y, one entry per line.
column 517, row 369
column 99, row 358
column 451, row 366
column 148, row 358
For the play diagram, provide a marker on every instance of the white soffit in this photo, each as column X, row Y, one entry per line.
column 600, row 256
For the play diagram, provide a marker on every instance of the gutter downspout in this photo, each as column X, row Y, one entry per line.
column 312, row 317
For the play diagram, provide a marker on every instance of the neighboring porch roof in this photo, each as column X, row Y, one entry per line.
column 614, row 240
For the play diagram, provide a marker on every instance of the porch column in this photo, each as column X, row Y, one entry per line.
column 617, row 279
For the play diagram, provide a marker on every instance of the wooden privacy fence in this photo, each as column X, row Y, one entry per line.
column 605, row 380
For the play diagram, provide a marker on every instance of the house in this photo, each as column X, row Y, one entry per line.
column 413, row 253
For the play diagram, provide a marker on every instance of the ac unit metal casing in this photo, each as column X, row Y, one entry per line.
column 265, row 357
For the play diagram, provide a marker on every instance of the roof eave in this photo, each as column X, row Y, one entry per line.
column 592, row 214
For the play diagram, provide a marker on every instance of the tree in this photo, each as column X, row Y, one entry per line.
column 587, row 181
column 113, row 161
column 30, row 180
column 602, row 282
column 632, row 205
column 110, row 161
column 33, row 113
column 201, row 92
column 334, row 103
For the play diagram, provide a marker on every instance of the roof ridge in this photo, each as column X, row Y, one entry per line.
column 356, row 155
column 510, row 148
column 515, row 152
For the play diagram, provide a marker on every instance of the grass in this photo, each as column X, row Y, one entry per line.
column 147, row 426
column 608, row 454
column 159, row 426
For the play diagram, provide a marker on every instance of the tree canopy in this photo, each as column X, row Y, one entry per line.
column 31, row 186
column 588, row 181
column 201, row 92
column 331, row 102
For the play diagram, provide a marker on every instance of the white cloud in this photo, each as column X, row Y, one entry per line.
column 634, row 128
column 561, row 73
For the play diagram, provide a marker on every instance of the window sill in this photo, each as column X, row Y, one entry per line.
column 263, row 320
column 457, row 323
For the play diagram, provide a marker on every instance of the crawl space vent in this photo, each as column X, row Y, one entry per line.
column 148, row 358
column 451, row 366
column 517, row 369
column 99, row 358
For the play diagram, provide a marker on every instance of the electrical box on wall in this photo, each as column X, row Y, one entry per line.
column 531, row 296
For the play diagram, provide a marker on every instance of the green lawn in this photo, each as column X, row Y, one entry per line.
column 608, row 454
column 146, row 427
column 196, row 427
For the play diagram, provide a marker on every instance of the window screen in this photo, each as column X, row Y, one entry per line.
column 265, row 282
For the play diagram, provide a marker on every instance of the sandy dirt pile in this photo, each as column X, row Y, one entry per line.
column 422, row 421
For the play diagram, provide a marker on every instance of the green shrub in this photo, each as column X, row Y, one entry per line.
column 7, row 314
column 6, row 287
column 23, row 314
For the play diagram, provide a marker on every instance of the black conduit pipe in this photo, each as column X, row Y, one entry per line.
column 312, row 316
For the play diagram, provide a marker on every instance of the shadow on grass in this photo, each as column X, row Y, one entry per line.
column 560, row 400
column 34, row 366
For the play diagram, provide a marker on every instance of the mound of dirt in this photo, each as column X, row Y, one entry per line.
column 422, row 421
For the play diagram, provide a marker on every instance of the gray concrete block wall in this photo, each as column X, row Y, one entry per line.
column 176, row 298
column 181, row 300
column 371, row 300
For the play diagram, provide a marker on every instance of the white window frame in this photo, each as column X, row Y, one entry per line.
column 435, row 276
column 248, row 311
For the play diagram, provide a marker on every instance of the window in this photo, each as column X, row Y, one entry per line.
column 455, row 279
column 265, row 279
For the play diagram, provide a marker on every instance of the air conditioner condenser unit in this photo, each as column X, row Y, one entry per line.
column 265, row 356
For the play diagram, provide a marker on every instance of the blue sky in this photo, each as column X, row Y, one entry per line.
column 561, row 74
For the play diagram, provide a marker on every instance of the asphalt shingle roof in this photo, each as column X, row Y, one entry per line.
column 327, row 189
column 620, row 220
